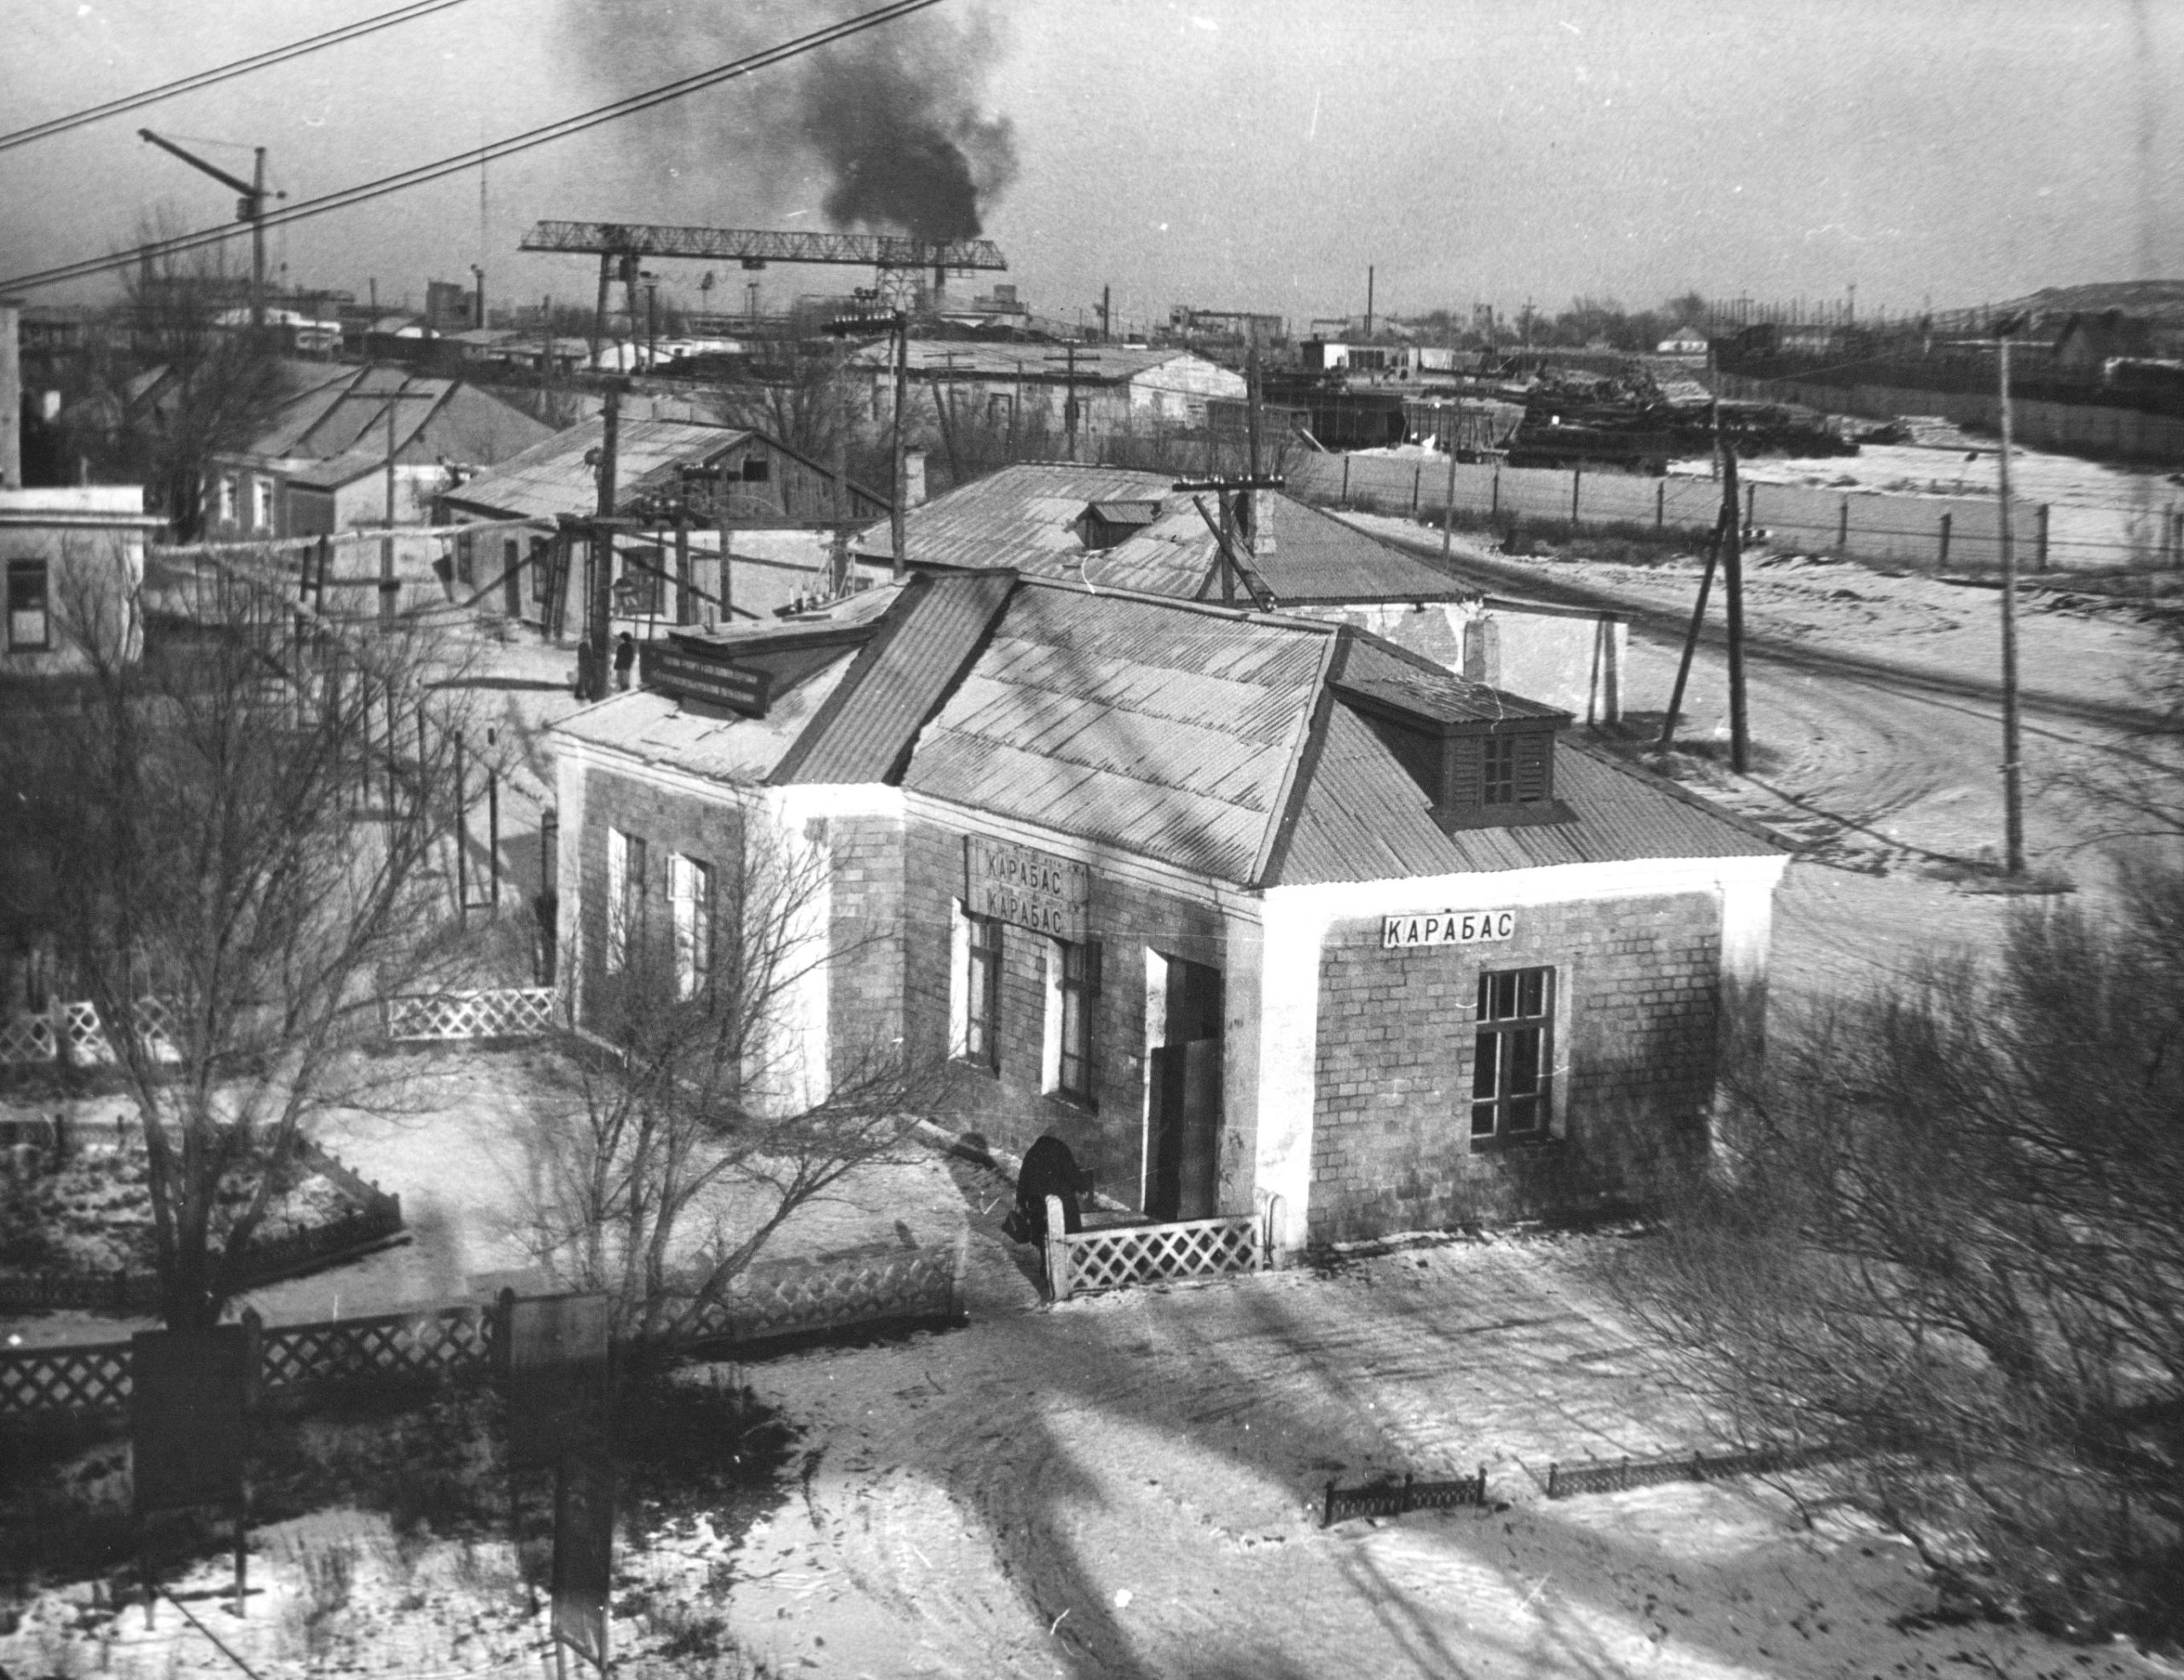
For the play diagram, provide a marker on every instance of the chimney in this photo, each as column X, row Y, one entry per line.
column 11, row 400
column 914, row 478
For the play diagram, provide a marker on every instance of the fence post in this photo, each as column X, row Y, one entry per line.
column 1057, row 1250
column 502, row 1318
column 1842, row 531
column 2040, row 560
column 1417, row 479
column 1403, row 1500
column 1576, row 479
column 253, row 1370
column 1660, row 504
column 1750, row 505
column 1494, row 506
column 1482, row 1486
column 958, row 1269
column 1346, row 481
column 1326, row 1518
column 1551, row 1469
column 1945, row 524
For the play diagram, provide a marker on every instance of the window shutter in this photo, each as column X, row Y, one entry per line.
column 1535, row 767
column 1465, row 755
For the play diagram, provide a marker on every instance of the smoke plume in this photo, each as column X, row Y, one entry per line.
column 885, row 129
column 894, row 118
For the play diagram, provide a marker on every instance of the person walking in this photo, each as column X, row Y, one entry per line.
column 625, row 656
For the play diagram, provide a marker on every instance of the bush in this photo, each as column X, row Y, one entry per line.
column 1943, row 1233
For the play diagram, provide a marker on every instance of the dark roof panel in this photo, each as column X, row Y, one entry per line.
column 899, row 676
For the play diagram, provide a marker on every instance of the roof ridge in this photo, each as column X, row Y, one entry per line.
column 1297, row 777
column 1670, row 785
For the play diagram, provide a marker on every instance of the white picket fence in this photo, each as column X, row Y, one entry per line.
column 499, row 1012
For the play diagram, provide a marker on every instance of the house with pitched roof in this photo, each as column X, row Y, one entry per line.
column 1261, row 914
column 774, row 506
column 1116, row 528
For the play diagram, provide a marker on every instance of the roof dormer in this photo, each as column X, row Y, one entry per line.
column 1484, row 758
column 1103, row 525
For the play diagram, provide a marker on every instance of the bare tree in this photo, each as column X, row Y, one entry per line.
column 235, row 842
column 697, row 1121
column 1947, row 1240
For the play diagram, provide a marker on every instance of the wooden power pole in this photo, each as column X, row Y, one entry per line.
column 2012, row 787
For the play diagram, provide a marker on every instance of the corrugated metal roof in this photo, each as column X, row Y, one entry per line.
column 1140, row 724
column 1040, row 363
column 552, row 477
column 657, row 729
column 899, row 676
column 1025, row 516
column 1440, row 695
column 1365, row 818
column 1018, row 516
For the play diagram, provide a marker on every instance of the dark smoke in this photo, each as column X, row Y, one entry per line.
column 894, row 118
column 885, row 127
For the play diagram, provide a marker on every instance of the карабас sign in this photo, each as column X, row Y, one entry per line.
column 1028, row 887
column 1446, row 927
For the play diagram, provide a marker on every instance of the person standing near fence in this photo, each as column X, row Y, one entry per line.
column 1049, row 1169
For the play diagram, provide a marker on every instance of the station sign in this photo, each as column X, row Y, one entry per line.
column 1031, row 888
column 1446, row 927
column 710, row 682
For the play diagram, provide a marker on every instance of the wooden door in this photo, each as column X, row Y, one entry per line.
column 1185, row 1133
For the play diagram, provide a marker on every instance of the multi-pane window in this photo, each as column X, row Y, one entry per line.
column 1078, row 979
column 690, row 895
column 466, row 560
column 229, row 488
column 641, row 592
column 261, row 504
column 1500, row 770
column 625, row 898
column 982, row 999
column 29, row 622
column 542, row 568
column 1513, row 1058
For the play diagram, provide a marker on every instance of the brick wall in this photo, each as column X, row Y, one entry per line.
column 1638, row 986
column 1010, row 1108
column 865, row 979
column 707, row 829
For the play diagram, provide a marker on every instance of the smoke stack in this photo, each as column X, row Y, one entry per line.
column 11, row 400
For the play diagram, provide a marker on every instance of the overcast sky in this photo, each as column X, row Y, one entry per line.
column 1229, row 153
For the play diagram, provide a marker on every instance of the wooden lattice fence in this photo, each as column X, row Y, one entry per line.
column 1392, row 1499
column 500, row 1012
column 1115, row 1257
column 788, row 1297
column 26, row 1040
column 431, row 1344
column 41, row 1380
column 1618, row 1475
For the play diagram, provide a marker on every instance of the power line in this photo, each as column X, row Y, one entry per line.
column 206, row 79
column 349, row 197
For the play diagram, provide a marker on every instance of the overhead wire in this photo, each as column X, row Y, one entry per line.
column 206, row 79
column 348, row 197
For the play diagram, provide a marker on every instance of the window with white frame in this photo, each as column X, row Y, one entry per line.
column 1072, row 1009
column 229, row 489
column 690, row 896
column 1513, row 1054
column 30, row 625
column 261, row 503
column 625, row 898
column 980, row 1038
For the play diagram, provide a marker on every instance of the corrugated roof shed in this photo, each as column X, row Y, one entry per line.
column 1144, row 724
column 552, row 477
column 900, row 675
column 1019, row 516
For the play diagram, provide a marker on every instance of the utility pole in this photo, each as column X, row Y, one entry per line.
column 1225, row 533
column 390, row 586
column 250, row 207
column 899, row 567
column 1069, row 401
column 1733, row 581
column 1368, row 302
column 598, row 309
column 599, row 584
column 2013, row 788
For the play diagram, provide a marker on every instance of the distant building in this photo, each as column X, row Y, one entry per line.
column 451, row 307
column 1111, row 528
column 775, row 502
column 1684, row 341
column 74, row 559
column 1020, row 391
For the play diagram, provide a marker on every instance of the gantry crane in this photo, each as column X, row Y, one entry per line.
column 620, row 245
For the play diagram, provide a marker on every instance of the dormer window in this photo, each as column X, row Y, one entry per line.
column 1103, row 525
column 1484, row 758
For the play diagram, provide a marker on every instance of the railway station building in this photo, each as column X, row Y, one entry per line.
column 1261, row 914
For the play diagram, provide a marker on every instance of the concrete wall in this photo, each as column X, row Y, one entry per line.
column 1863, row 525
column 1636, row 1003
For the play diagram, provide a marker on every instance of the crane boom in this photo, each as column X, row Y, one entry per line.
column 754, row 245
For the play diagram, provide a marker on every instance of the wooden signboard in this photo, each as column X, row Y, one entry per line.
column 1031, row 888
column 186, row 1435
column 584, row 1554
column 557, row 1374
column 710, row 682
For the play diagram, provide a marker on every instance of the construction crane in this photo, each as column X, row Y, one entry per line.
column 620, row 245
column 250, row 207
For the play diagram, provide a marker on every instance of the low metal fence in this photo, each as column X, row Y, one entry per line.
column 1115, row 1257
column 1393, row 1499
column 1621, row 1474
